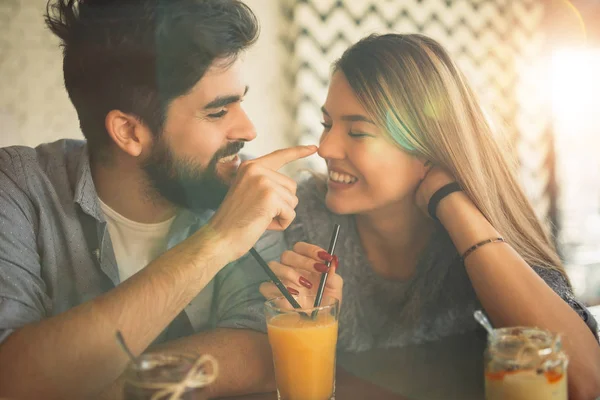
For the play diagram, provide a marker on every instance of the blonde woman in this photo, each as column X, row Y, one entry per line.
column 434, row 222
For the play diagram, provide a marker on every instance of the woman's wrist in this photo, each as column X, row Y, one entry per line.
column 439, row 195
column 455, row 201
column 463, row 221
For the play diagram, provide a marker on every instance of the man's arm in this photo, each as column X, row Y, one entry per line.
column 239, row 342
column 244, row 357
column 74, row 354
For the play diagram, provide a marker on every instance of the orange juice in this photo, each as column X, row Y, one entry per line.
column 304, row 355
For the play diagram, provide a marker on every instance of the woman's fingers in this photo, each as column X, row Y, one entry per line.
column 308, row 257
column 334, row 282
column 269, row 290
column 311, row 251
column 301, row 269
column 295, row 278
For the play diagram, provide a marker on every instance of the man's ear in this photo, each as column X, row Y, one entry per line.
column 127, row 132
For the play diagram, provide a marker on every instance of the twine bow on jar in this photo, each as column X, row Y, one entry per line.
column 196, row 378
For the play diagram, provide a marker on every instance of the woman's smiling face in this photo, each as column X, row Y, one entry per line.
column 367, row 171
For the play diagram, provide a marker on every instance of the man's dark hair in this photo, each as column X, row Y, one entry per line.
column 136, row 56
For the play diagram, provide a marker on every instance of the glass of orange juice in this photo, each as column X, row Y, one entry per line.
column 303, row 343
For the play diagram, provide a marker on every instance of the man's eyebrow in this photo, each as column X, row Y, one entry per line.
column 222, row 101
column 351, row 118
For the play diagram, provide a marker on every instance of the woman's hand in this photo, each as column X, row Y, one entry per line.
column 434, row 180
column 300, row 271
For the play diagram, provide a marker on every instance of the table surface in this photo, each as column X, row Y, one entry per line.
column 348, row 387
column 448, row 369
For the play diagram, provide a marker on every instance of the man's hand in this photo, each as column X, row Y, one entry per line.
column 260, row 198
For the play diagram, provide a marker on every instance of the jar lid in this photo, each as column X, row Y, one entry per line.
column 525, row 347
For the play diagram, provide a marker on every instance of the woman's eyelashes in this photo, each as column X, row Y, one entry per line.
column 351, row 133
column 358, row 134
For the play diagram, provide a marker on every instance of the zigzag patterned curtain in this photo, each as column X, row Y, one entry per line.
column 496, row 43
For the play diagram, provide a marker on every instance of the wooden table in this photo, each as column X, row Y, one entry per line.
column 348, row 387
column 448, row 369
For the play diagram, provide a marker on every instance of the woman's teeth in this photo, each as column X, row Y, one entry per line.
column 341, row 178
column 227, row 159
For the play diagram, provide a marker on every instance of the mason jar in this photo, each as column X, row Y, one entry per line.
column 525, row 364
column 167, row 376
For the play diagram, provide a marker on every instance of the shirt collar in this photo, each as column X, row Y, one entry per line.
column 185, row 224
column 85, row 190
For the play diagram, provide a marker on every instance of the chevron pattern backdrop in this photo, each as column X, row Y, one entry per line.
column 496, row 43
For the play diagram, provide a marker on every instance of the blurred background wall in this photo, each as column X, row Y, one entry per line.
column 35, row 108
column 534, row 63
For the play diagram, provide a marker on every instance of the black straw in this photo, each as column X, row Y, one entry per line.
column 274, row 278
column 332, row 243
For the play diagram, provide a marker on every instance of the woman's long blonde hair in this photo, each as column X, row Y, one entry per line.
column 411, row 87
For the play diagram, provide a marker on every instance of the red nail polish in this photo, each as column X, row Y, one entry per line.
column 293, row 291
column 305, row 282
column 322, row 268
column 325, row 256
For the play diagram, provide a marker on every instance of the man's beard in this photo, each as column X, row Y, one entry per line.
column 184, row 184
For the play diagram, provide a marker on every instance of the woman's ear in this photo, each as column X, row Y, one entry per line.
column 427, row 165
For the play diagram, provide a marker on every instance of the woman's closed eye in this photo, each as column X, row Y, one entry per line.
column 358, row 134
column 354, row 134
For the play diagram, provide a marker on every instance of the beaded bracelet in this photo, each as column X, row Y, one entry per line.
column 478, row 245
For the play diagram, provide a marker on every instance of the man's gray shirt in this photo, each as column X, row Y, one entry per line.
column 56, row 253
